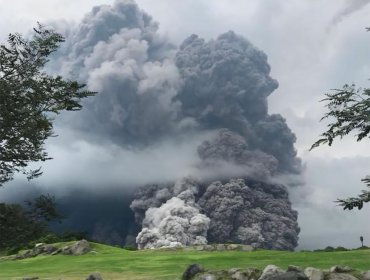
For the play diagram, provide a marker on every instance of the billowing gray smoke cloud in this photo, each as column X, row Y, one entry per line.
column 255, row 213
column 226, row 85
column 208, row 96
column 176, row 222
column 117, row 51
column 230, row 147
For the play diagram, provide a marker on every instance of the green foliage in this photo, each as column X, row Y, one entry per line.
column 16, row 227
column 43, row 208
column 23, row 227
column 332, row 249
column 28, row 100
column 359, row 201
column 349, row 110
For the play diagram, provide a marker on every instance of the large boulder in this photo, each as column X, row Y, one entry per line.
column 79, row 248
column 340, row 269
column 239, row 275
column 191, row 271
column 314, row 274
column 40, row 249
column 207, row 276
column 340, row 276
column 289, row 275
column 366, row 275
column 270, row 271
column 248, row 274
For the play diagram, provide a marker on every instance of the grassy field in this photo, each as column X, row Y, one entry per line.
column 118, row 264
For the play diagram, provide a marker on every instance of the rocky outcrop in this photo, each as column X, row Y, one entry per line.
column 314, row 274
column 366, row 275
column 40, row 249
column 221, row 247
column 272, row 272
column 340, row 276
column 79, row 248
column 191, row 271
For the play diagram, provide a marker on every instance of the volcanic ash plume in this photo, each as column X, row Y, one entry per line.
column 210, row 96
column 255, row 213
column 177, row 222
column 225, row 87
column 229, row 148
column 117, row 51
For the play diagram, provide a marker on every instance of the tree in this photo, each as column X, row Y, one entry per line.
column 349, row 108
column 29, row 99
column 20, row 225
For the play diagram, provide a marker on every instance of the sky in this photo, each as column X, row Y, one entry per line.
column 312, row 47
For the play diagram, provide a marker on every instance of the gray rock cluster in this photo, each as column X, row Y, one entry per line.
column 222, row 247
column 78, row 248
column 272, row 272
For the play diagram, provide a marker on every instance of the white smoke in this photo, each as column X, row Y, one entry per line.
column 177, row 222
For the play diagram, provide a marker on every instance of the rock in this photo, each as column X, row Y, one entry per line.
column 233, row 270
column 269, row 271
column 79, row 248
column 254, row 273
column 340, row 269
column 340, row 276
column 41, row 249
column 220, row 247
column 294, row 268
column 272, row 272
column 248, row 274
column 56, row 252
column 366, row 275
column 200, row 247
column 290, row 275
column 233, row 247
column 207, row 276
column 314, row 274
column 191, row 271
column 45, row 249
column 240, row 275
column 39, row 244
column 246, row 248
column 30, row 278
column 94, row 276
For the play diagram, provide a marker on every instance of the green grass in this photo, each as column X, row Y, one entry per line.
column 118, row 264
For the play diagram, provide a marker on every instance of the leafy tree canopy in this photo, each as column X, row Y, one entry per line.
column 349, row 111
column 29, row 99
column 20, row 225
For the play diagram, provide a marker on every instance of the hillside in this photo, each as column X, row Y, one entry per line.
column 119, row 264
